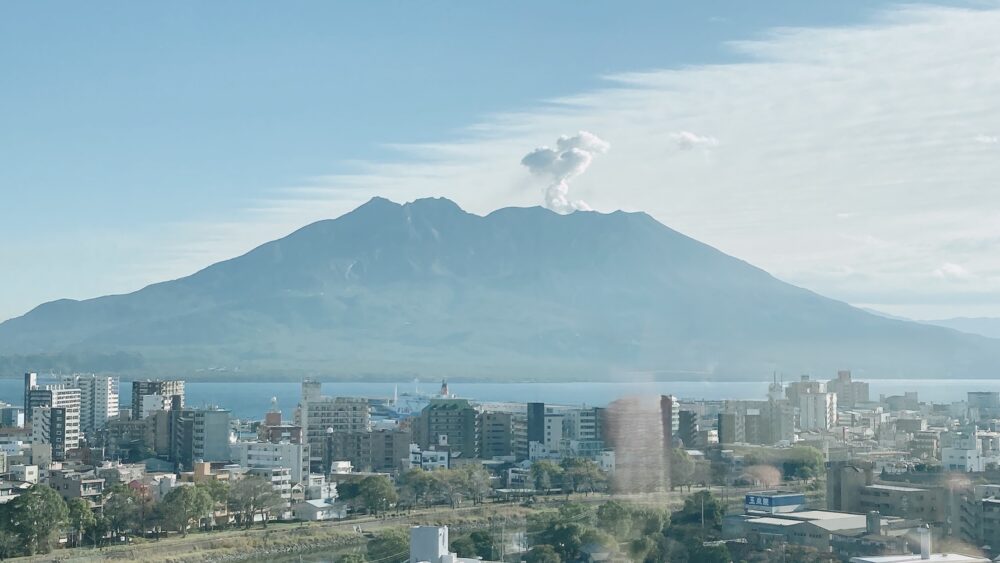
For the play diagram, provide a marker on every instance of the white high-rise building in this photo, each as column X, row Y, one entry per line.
column 268, row 455
column 55, row 419
column 98, row 400
column 817, row 411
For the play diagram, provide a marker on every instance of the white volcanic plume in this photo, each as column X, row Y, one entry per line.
column 571, row 157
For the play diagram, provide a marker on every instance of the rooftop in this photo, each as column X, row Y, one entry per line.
column 812, row 515
column 896, row 488
column 773, row 521
column 773, row 493
column 915, row 558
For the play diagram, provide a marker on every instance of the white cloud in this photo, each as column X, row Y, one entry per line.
column 952, row 271
column 987, row 139
column 687, row 140
column 876, row 119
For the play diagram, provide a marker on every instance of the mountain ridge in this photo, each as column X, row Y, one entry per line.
column 426, row 289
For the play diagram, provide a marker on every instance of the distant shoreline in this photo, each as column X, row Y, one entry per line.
column 251, row 378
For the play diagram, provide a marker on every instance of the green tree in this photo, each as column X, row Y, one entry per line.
column 9, row 543
column 253, row 497
column 681, row 469
column 348, row 491
column 377, row 493
column 146, row 511
column 542, row 554
column 649, row 522
column 577, row 513
column 647, row 548
column 797, row 462
column 698, row 505
column 389, row 547
column 36, row 517
column 545, row 474
column 711, row 554
column 594, row 537
column 451, row 485
column 185, row 505
column 99, row 530
column 565, row 537
column 484, row 546
column 218, row 492
column 81, row 519
column 121, row 510
column 803, row 462
column 474, row 482
column 615, row 518
column 419, row 485
column 463, row 546
column 579, row 474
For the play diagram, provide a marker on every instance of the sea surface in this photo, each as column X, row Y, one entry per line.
column 252, row 399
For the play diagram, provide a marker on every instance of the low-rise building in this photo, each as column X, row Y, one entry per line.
column 925, row 555
column 121, row 473
column 316, row 487
column 25, row 473
column 72, row 484
column 926, row 504
column 823, row 530
column 428, row 460
column 318, row 510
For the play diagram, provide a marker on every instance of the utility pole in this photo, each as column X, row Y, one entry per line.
column 703, row 511
column 503, row 541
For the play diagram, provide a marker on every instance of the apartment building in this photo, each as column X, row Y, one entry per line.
column 261, row 455
column 497, row 435
column 817, row 410
column 756, row 422
column 338, row 415
column 55, row 415
column 98, row 400
column 850, row 393
column 927, row 504
column 154, row 394
column 199, row 435
column 449, row 424
column 390, row 449
column 803, row 385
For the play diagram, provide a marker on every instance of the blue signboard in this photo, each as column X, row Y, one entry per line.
column 772, row 502
column 756, row 500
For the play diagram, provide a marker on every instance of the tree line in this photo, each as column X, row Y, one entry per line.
column 34, row 522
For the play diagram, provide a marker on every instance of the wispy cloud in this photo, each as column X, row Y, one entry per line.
column 952, row 271
column 876, row 119
column 687, row 140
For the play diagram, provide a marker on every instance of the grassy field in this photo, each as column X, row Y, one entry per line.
column 287, row 539
column 277, row 539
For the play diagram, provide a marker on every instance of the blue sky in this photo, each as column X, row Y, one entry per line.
column 127, row 129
